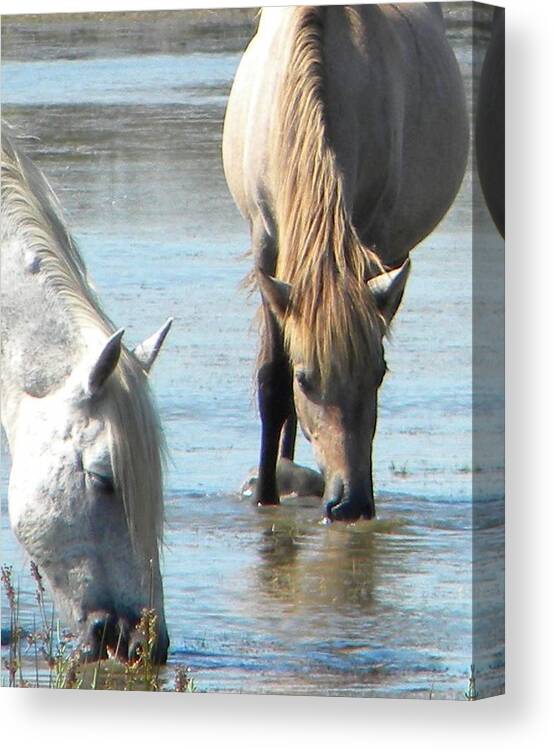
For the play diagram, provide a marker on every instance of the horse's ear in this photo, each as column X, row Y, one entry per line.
column 388, row 288
column 147, row 352
column 276, row 293
column 105, row 363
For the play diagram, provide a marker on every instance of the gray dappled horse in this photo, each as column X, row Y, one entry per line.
column 85, row 490
column 345, row 142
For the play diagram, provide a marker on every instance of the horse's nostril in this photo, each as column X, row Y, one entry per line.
column 110, row 635
column 103, row 636
column 98, row 627
column 95, row 636
column 139, row 646
column 136, row 648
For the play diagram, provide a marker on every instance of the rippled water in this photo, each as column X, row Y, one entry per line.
column 262, row 599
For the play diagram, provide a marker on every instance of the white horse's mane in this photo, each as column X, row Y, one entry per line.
column 31, row 212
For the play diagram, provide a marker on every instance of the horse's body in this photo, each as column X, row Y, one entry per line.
column 345, row 143
column 490, row 125
column 85, row 491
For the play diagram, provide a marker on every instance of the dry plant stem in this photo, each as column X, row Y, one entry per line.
column 64, row 662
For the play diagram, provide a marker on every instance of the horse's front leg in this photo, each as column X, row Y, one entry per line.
column 275, row 405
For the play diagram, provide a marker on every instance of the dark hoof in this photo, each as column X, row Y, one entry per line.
column 346, row 510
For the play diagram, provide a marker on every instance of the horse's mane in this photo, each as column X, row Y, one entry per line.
column 31, row 212
column 332, row 324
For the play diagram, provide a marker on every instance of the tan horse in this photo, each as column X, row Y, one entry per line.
column 345, row 143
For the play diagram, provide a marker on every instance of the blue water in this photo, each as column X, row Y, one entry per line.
column 265, row 599
column 141, row 79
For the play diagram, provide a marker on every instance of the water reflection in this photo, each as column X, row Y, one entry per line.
column 311, row 568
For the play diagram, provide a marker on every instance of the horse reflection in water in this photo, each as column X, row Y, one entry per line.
column 302, row 569
column 85, row 490
column 345, row 142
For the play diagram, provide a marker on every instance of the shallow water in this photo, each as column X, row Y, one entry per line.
column 263, row 599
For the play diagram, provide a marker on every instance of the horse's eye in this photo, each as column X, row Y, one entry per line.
column 101, row 482
column 304, row 381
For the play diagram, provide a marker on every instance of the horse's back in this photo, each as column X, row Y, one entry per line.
column 250, row 111
column 395, row 114
column 396, row 120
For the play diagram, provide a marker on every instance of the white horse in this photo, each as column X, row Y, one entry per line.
column 85, row 490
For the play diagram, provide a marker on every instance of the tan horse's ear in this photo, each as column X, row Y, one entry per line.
column 388, row 288
column 147, row 352
column 105, row 364
column 276, row 293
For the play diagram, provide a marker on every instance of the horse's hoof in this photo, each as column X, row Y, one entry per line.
column 249, row 485
column 266, row 503
column 292, row 479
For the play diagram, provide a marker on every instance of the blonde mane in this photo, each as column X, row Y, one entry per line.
column 332, row 323
column 31, row 211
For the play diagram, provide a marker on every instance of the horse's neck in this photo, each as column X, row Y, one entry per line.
column 40, row 342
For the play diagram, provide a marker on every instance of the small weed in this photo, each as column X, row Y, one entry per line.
column 48, row 648
column 183, row 681
column 471, row 694
column 400, row 471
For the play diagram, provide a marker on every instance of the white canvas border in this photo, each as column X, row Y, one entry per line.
column 46, row 719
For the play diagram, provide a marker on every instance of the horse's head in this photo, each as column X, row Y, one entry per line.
column 85, row 496
column 338, row 364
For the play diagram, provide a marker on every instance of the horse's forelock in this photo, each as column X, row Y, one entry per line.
column 340, row 337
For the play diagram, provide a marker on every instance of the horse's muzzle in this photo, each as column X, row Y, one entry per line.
column 350, row 503
column 107, row 635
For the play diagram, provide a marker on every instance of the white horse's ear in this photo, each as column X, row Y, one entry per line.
column 387, row 290
column 276, row 293
column 147, row 352
column 105, row 363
